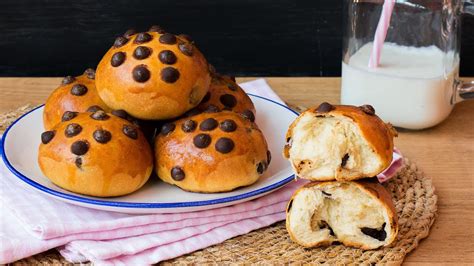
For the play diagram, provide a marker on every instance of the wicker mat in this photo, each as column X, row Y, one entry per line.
column 414, row 199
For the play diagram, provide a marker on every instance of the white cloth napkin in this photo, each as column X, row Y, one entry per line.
column 32, row 223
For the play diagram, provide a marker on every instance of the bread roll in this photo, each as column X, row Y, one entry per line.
column 225, row 94
column 96, row 154
column 339, row 142
column 358, row 214
column 211, row 152
column 153, row 75
column 75, row 94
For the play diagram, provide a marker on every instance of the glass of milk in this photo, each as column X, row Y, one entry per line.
column 416, row 83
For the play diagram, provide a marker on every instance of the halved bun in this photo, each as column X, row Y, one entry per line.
column 358, row 214
column 339, row 142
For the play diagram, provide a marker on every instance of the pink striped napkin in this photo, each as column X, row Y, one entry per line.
column 31, row 223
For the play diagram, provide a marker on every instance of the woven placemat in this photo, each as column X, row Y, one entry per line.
column 413, row 195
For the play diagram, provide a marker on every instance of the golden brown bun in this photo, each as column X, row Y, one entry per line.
column 109, row 164
column 358, row 214
column 339, row 142
column 225, row 94
column 65, row 98
column 164, row 84
column 217, row 167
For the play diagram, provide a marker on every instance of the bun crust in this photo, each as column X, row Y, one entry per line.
column 211, row 152
column 65, row 98
column 150, row 79
column 368, row 214
column 96, row 157
column 339, row 142
column 225, row 94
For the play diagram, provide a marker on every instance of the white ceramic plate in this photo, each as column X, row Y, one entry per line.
column 20, row 151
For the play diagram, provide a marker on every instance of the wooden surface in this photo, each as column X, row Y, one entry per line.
column 445, row 153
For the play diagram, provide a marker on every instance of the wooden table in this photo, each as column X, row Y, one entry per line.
column 445, row 153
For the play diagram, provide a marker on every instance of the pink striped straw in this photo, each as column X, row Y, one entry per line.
column 381, row 33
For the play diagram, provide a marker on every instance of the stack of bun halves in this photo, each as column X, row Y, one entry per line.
column 154, row 102
column 339, row 147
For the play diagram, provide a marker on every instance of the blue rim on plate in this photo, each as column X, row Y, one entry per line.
column 133, row 204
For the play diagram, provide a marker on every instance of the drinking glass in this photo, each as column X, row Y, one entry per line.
column 416, row 84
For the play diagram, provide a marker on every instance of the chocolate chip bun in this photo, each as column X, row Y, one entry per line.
column 96, row 154
column 75, row 94
column 358, row 214
column 211, row 152
column 225, row 94
column 153, row 75
column 339, row 142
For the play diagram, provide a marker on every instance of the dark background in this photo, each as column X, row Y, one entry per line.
column 239, row 37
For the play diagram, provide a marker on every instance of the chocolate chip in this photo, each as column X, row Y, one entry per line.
column 186, row 48
column 90, row 73
column 378, row 234
column 124, row 115
column 186, row 37
column 80, row 147
column 78, row 162
column 167, row 57
column 228, row 100
column 156, row 28
column 72, row 130
column 120, row 113
column 130, row 131
column 260, row 168
column 326, row 194
column 325, row 225
column 325, row 107
column 117, row 59
column 192, row 112
column 142, row 37
column 212, row 109
column 102, row 136
column 202, row 140
column 177, row 173
column 269, row 157
column 368, row 109
column 228, row 125
column 129, row 33
column 232, row 78
column 232, row 86
column 189, row 126
column 208, row 124
column 207, row 97
column 78, row 90
column 344, row 160
column 167, row 128
column 94, row 108
column 167, row 38
column 247, row 114
column 169, row 74
column 68, row 80
column 141, row 73
column 224, row 145
column 290, row 204
column 47, row 136
column 141, row 52
column 120, row 41
column 68, row 115
column 100, row 115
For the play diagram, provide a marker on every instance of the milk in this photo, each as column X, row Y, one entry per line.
column 412, row 87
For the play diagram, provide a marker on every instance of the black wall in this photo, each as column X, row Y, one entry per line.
column 239, row 37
